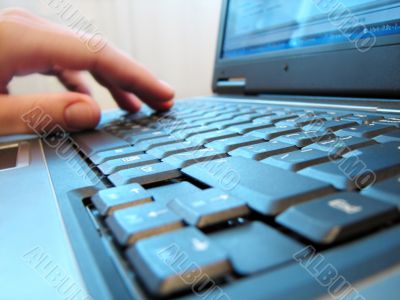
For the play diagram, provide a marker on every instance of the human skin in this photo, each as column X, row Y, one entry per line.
column 29, row 44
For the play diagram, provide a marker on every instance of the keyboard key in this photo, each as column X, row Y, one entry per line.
column 273, row 119
column 109, row 200
column 203, row 138
column 103, row 156
column 185, row 159
column 153, row 134
column 298, row 160
column 363, row 119
column 263, row 150
column 393, row 136
column 167, row 150
column 366, row 131
column 330, row 125
column 184, row 134
column 164, row 194
column 386, row 191
column 92, row 142
column 354, row 171
column 131, row 224
column 389, row 121
column 386, row 149
column 273, row 132
column 149, row 144
column 245, row 128
column 301, row 121
column 208, row 207
column 229, row 144
column 267, row 190
column 145, row 174
column 158, row 261
column 114, row 165
column 255, row 247
column 228, row 123
column 302, row 139
column 341, row 145
column 337, row 217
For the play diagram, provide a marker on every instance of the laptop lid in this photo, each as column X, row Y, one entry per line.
column 345, row 48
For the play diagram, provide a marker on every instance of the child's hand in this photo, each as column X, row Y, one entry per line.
column 29, row 44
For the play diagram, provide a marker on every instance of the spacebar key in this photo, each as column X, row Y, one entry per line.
column 266, row 189
column 91, row 142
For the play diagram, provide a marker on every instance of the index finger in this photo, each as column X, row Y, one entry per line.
column 45, row 47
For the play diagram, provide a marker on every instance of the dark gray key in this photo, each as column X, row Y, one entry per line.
column 208, row 207
column 256, row 247
column 263, row 150
column 167, row 150
column 145, row 174
column 154, row 134
column 393, row 136
column 92, row 142
column 387, row 191
column 363, row 119
column 245, row 128
column 330, row 125
column 273, row 119
column 164, row 194
column 390, row 121
column 228, row 123
column 133, row 161
column 109, row 200
column 297, row 160
column 159, row 264
column 357, row 171
column 149, row 144
column 266, row 189
column 185, row 133
column 366, row 131
column 229, row 144
column 131, row 224
column 386, row 149
column 341, row 145
column 337, row 217
column 302, row 139
column 103, row 156
column 204, row 138
column 301, row 121
column 185, row 159
column 273, row 132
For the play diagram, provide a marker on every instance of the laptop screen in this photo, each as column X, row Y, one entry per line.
column 268, row 26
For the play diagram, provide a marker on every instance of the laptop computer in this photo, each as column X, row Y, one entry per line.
column 284, row 184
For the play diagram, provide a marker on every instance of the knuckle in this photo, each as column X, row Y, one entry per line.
column 14, row 12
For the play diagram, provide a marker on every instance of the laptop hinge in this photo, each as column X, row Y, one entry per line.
column 233, row 85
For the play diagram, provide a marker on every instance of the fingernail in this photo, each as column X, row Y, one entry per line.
column 79, row 116
column 168, row 87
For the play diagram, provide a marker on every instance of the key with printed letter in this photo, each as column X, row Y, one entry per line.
column 171, row 149
column 263, row 150
column 103, row 156
column 337, row 217
column 298, row 160
column 145, row 174
column 109, row 200
column 131, row 224
column 229, row 144
column 158, row 261
column 267, row 189
column 208, row 207
column 114, row 165
column 185, row 159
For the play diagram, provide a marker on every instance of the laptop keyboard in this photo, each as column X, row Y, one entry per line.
column 237, row 189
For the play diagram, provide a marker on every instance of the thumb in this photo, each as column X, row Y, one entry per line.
column 43, row 113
